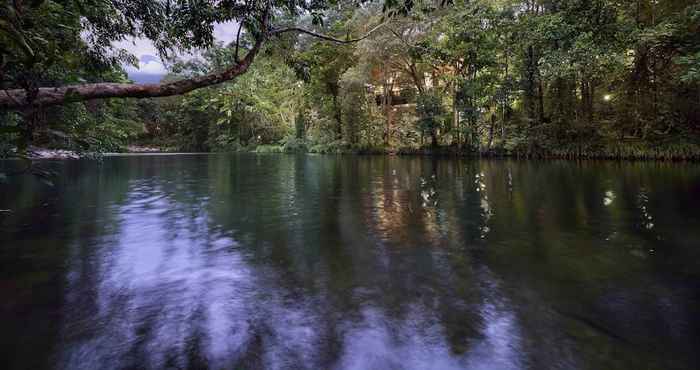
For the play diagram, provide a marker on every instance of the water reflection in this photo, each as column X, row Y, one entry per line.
column 322, row 262
column 647, row 219
column 609, row 198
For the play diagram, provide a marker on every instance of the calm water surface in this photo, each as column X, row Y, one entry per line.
column 350, row 262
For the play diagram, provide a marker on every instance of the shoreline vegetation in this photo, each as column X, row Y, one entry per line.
column 639, row 152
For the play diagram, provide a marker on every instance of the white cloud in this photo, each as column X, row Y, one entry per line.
column 149, row 63
column 137, row 46
column 150, row 67
column 225, row 32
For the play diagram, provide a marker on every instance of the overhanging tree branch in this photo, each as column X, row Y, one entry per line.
column 47, row 96
column 326, row 37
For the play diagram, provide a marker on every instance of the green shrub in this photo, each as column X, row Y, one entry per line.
column 294, row 145
column 266, row 148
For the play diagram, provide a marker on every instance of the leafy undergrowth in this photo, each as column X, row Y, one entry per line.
column 624, row 150
column 631, row 150
column 680, row 150
column 269, row 149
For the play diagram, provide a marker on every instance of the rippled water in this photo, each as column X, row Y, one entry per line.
column 351, row 262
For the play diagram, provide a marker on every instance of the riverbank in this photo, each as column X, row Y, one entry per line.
column 683, row 151
column 36, row 152
column 674, row 152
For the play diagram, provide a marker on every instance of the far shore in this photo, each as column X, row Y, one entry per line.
column 41, row 153
column 35, row 152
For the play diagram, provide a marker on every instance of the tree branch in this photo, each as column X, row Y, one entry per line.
column 326, row 37
column 47, row 96
column 238, row 37
column 12, row 98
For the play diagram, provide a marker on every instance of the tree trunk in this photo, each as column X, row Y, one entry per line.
column 530, row 93
column 389, row 124
column 338, row 115
column 491, row 129
column 505, row 105
column 388, row 111
column 540, row 99
column 417, row 80
column 587, row 98
column 300, row 126
column 455, row 112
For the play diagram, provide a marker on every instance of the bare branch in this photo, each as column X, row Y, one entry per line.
column 326, row 37
column 11, row 97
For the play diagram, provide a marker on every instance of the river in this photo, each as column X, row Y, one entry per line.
column 350, row 262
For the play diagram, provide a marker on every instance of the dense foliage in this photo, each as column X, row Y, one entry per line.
column 567, row 77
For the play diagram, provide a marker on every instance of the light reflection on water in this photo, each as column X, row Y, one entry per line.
column 323, row 262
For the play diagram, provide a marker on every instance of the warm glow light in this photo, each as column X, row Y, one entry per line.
column 607, row 97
